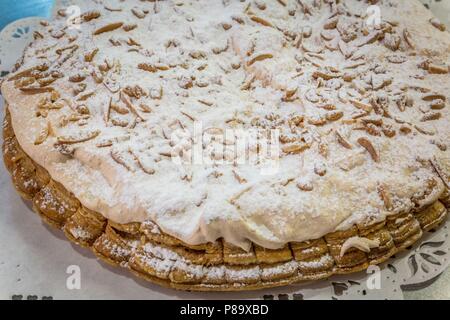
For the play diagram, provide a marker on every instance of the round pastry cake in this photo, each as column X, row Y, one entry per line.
column 219, row 145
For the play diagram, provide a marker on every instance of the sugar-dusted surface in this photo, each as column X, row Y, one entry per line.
column 268, row 210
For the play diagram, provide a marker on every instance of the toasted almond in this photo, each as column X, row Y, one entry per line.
column 261, row 21
column 435, row 22
column 372, row 129
column 385, row 196
column 130, row 105
column 341, row 139
column 259, row 57
column 334, row 116
column 445, row 177
column 81, row 137
column 77, row 78
column 437, row 69
column 437, row 104
column 36, row 90
column 108, row 28
column 295, row 148
column 246, row 85
column 123, row 158
column 389, row 132
column 238, row 177
column 317, row 121
column 323, row 149
column 326, row 76
column 408, row 38
column 430, row 116
column 405, row 129
column 89, row 57
column 366, row 144
column 120, row 122
column 29, row 72
column 145, row 108
column 24, row 82
column 147, row 67
column 424, row 130
column 90, row 15
column 434, row 96
column 140, row 14
column 43, row 135
column 129, row 27
column 361, row 105
column 86, row 96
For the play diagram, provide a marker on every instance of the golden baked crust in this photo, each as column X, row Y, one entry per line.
column 159, row 258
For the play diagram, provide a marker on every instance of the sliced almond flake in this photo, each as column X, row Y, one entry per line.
column 437, row 104
column 438, row 69
column 434, row 96
column 29, row 72
column 119, row 109
column 206, row 102
column 408, row 38
column 60, row 51
column 139, row 13
column 143, row 164
column 43, row 135
column 424, row 130
column 112, row 9
column 145, row 108
column 366, row 144
column 65, row 149
column 396, row 58
column 261, row 21
column 123, row 158
column 435, row 22
column 108, row 28
column 354, row 65
column 130, row 105
column 82, row 136
column 342, row 140
column 370, row 38
column 89, row 57
column 295, row 148
column 77, row 78
column 90, row 15
column 431, row 116
column 36, row 90
column 119, row 122
column 239, row 178
column 445, row 177
column 105, row 143
column 246, row 85
column 86, row 96
column 259, row 57
column 188, row 115
column 44, row 82
column 326, row 76
column 361, row 105
column 334, row 115
column 24, row 82
column 317, row 121
column 129, row 27
column 388, row 131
